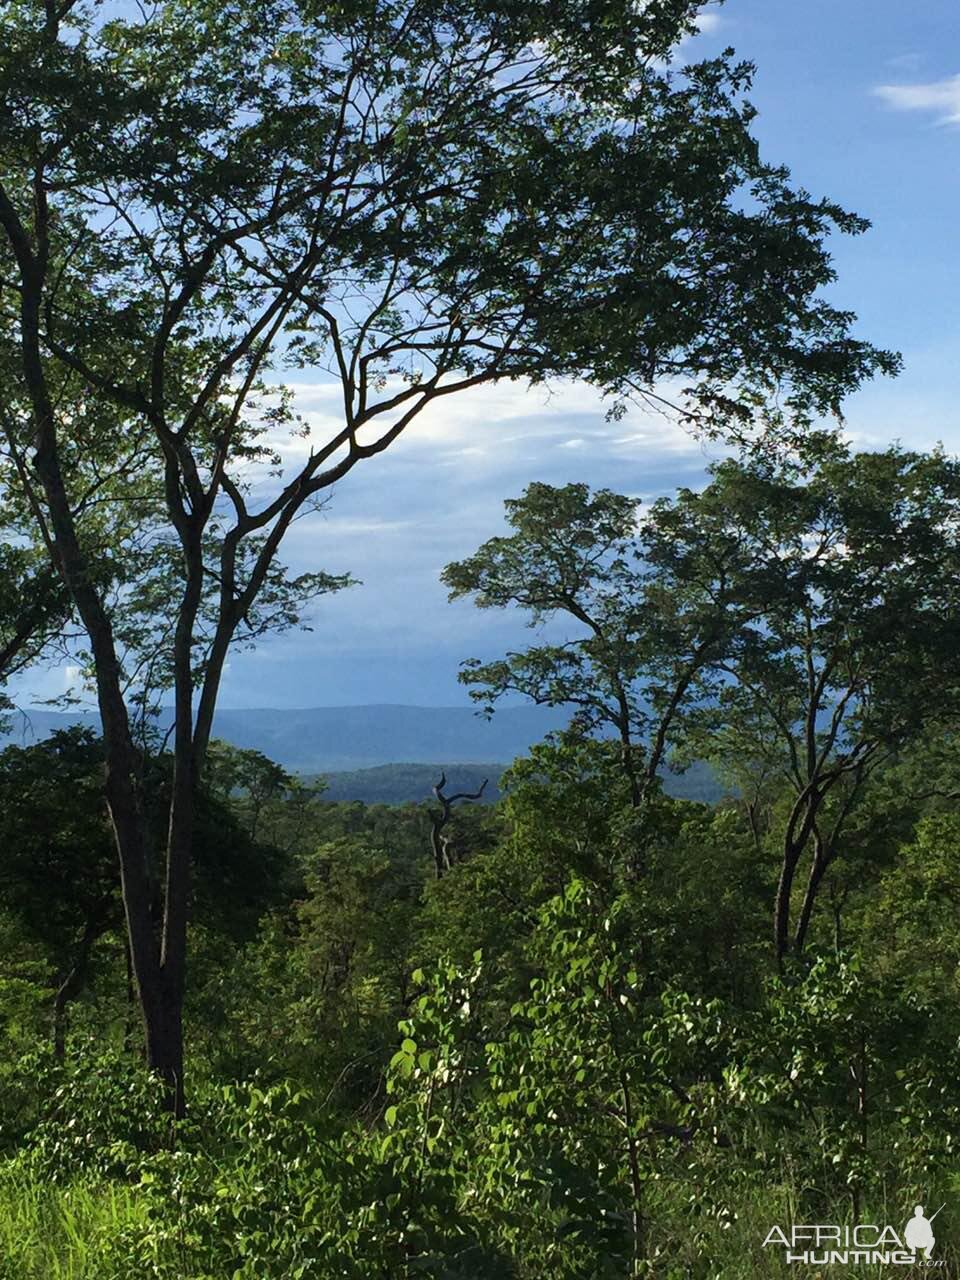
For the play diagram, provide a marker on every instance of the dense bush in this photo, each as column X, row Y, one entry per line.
column 604, row 1124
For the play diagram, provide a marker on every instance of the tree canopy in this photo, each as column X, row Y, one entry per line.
column 793, row 620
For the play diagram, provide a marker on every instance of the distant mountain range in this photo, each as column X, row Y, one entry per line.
column 321, row 739
column 363, row 752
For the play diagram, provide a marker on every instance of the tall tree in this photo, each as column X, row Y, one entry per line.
column 416, row 197
column 851, row 570
column 798, row 619
column 634, row 651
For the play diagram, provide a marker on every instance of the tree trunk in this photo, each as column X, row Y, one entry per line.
column 160, row 1001
column 163, row 1027
column 818, row 869
column 799, row 827
column 781, row 906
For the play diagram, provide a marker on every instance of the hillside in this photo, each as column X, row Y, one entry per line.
column 356, row 750
column 403, row 783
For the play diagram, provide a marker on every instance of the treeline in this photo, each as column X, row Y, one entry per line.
column 407, row 783
column 413, row 783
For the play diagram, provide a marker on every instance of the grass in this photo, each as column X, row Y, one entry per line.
column 48, row 1232
column 53, row 1232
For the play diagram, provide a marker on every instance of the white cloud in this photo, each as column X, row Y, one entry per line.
column 498, row 422
column 940, row 96
column 350, row 527
column 707, row 22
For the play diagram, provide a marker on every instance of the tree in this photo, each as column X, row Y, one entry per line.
column 418, row 199
column 849, row 568
column 444, row 847
column 635, row 654
column 796, row 620
column 246, row 779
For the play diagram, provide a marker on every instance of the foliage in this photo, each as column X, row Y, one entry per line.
column 100, row 1119
column 57, row 870
column 855, row 1071
column 616, row 1084
column 794, row 622
column 575, row 1053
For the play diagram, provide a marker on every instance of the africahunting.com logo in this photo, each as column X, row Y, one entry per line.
column 822, row 1245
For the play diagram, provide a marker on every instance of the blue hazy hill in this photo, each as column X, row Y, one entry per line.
column 380, row 753
column 320, row 739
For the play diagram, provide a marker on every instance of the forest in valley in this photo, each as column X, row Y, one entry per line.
column 675, row 993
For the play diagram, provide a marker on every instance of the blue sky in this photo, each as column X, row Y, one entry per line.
column 861, row 98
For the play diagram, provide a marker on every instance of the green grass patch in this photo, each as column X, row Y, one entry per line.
column 50, row 1232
